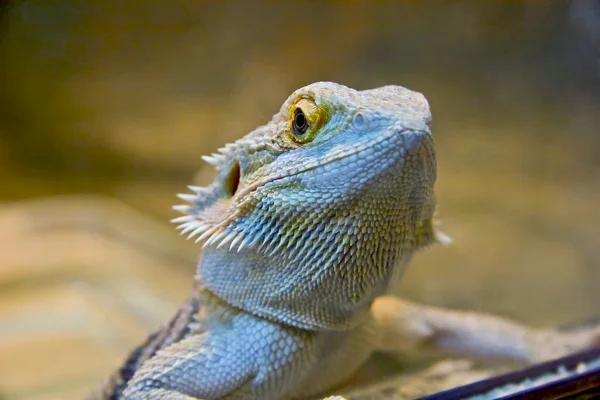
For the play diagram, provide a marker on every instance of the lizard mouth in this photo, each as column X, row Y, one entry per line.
column 414, row 140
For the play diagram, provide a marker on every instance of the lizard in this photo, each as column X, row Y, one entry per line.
column 309, row 219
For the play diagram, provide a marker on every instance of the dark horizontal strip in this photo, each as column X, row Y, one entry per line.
column 583, row 384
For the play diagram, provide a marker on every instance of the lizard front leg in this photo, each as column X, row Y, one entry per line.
column 201, row 366
column 468, row 334
column 247, row 357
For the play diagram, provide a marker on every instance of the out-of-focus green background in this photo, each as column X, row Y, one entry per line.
column 107, row 106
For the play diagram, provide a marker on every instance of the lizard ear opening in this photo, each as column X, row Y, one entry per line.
column 232, row 180
column 207, row 217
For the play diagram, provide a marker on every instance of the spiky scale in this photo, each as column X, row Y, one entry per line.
column 243, row 243
column 196, row 229
column 206, row 234
column 197, row 189
column 191, row 198
column 214, row 159
column 185, row 218
column 230, row 236
column 182, row 208
column 216, row 237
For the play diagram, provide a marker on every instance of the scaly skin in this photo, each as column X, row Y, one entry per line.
column 308, row 220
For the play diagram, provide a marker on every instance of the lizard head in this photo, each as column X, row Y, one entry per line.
column 333, row 192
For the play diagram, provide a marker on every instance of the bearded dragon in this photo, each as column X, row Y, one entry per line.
column 309, row 219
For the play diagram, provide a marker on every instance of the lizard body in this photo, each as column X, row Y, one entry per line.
column 308, row 220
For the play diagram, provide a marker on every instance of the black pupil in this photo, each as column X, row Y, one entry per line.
column 300, row 124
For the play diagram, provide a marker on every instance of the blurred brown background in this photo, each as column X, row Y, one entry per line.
column 107, row 106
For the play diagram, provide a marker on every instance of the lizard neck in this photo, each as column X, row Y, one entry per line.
column 262, row 285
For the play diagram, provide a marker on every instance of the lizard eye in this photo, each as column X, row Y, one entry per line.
column 306, row 119
column 300, row 125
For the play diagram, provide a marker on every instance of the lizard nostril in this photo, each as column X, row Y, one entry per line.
column 232, row 182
